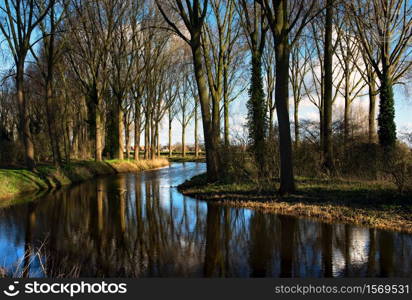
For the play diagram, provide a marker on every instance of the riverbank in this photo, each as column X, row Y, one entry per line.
column 189, row 158
column 17, row 181
column 372, row 204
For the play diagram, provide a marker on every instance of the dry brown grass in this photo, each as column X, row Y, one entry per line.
column 381, row 219
column 124, row 166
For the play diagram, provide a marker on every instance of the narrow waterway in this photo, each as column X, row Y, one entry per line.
column 139, row 225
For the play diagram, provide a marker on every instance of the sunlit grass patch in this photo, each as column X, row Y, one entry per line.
column 17, row 181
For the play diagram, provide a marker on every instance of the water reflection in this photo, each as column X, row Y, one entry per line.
column 135, row 225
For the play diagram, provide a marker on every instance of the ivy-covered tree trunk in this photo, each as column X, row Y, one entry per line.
column 256, row 106
column 386, row 118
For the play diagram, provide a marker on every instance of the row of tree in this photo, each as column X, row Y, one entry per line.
column 95, row 77
column 88, row 74
column 380, row 30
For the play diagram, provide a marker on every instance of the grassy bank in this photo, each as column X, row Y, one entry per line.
column 17, row 181
column 372, row 204
column 189, row 158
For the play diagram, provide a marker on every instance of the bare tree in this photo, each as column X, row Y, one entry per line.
column 52, row 52
column 315, row 85
column 349, row 56
column 219, row 41
column 270, row 80
column 386, row 27
column 18, row 22
column 299, row 68
column 91, row 26
column 192, row 16
column 282, row 20
column 185, row 106
column 122, row 55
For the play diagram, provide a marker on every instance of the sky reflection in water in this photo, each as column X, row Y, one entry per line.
column 137, row 225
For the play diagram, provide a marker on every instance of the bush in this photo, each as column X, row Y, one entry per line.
column 240, row 165
column 307, row 160
column 396, row 166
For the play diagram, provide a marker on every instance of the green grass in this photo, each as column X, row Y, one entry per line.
column 17, row 181
column 188, row 158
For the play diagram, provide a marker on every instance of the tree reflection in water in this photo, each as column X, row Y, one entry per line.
column 135, row 225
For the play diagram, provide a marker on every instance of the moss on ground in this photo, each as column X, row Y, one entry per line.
column 364, row 203
column 18, row 181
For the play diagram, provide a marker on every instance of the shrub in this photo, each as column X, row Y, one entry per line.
column 396, row 166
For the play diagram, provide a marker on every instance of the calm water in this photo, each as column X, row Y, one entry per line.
column 139, row 225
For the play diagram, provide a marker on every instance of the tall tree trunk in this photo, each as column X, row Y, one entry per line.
column 137, row 120
column 152, row 138
column 24, row 120
column 127, row 139
column 170, row 133
column 282, row 52
column 257, row 112
column 328, row 66
column 347, row 107
column 372, row 107
column 51, row 125
column 196, row 129
column 99, row 134
column 119, row 149
column 386, row 118
column 346, row 118
column 226, row 120
column 296, row 121
column 75, row 142
column 183, row 140
column 147, row 136
column 157, row 140
column 210, row 130
column 321, row 127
